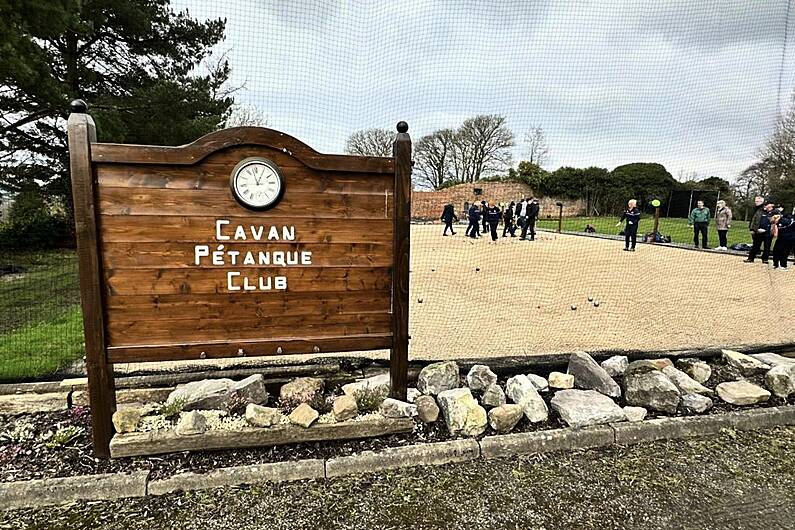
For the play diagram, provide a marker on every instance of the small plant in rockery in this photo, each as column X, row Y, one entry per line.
column 23, row 431
column 10, row 452
column 171, row 409
column 369, row 399
column 62, row 436
column 322, row 404
column 237, row 404
column 78, row 414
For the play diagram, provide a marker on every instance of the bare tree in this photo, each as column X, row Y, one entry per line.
column 433, row 158
column 483, row 147
column 370, row 142
column 245, row 116
column 537, row 149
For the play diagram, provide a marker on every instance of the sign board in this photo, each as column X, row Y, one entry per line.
column 245, row 242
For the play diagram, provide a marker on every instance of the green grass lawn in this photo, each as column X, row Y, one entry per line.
column 40, row 325
column 676, row 228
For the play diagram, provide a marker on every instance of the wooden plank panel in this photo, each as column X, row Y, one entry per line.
column 253, row 305
column 177, row 331
column 214, row 280
column 147, row 352
column 220, row 203
column 183, row 255
column 216, row 177
column 201, row 229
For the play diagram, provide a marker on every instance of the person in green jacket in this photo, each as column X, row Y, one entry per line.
column 699, row 220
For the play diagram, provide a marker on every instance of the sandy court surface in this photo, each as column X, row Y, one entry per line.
column 519, row 302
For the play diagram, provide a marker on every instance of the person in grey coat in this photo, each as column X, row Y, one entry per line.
column 723, row 221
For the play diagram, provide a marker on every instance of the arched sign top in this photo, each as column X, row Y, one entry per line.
column 205, row 146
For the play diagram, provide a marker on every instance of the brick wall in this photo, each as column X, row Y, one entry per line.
column 428, row 205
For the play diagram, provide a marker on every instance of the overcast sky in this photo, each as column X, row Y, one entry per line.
column 692, row 84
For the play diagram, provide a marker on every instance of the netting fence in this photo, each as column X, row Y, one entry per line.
column 697, row 87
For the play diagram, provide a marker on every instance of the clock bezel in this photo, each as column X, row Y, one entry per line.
column 260, row 160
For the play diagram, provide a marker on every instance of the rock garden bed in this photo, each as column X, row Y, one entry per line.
column 312, row 420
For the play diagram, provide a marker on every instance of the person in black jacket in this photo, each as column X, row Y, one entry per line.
column 507, row 219
column 785, row 241
column 632, row 216
column 530, row 220
column 483, row 207
column 473, row 230
column 492, row 217
column 449, row 217
column 760, row 230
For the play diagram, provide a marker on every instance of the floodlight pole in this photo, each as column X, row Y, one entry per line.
column 560, row 217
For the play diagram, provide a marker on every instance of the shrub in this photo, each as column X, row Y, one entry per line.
column 171, row 409
column 369, row 399
column 32, row 224
column 62, row 436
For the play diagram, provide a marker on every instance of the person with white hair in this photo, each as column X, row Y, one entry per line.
column 632, row 216
column 723, row 221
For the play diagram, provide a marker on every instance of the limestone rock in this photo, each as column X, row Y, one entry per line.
column 590, row 376
column 251, row 389
column 746, row 364
column 781, row 380
column 191, row 423
column 207, row 394
column 480, row 377
column 438, row 377
column 427, row 409
column 742, row 393
column 685, row 383
column 615, row 365
column 412, row 394
column 580, row 408
column 652, row 390
column 259, row 416
column 304, row 415
column 646, row 365
column 301, row 390
column 560, row 381
column 461, row 412
column 344, row 408
column 494, row 396
column 127, row 419
column 394, row 408
column 634, row 414
column 524, row 393
column 505, row 417
column 378, row 382
column 541, row 384
column 695, row 404
column 773, row 359
column 696, row 368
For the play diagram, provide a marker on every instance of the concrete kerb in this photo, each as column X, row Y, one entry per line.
column 45, row 492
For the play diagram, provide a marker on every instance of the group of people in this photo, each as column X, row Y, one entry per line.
column 699, row 219
column 514, row 215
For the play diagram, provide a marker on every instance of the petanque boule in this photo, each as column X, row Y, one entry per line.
column 573, row 307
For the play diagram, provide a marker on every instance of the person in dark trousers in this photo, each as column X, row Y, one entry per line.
column 699, row 220
column 723, row 222
column 785, row 241
column 473, row 230
column 507, row 220
column 632, row 217
column 521, row 213
column 532, row 215
column 449, row 217
column 483, row 208
column 492, row 217
column 760, row 230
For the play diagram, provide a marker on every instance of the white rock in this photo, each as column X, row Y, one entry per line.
column 263, row 416
column 412, row 394
column 696, row 368
column 685, row 383
column 773, row 359
column 634, row 414
column 560, row 381
column 652, row 390
column 781, row 380
column 695, row 404
column 615, row 365
column 590, row 376
column 301, row 390
column 344, row 408
column 378, row 382
column 461, row 412
column 494, row 396
column 438, row 377
column 393, row 408
column 203, row 395
column 505, row 417
column 251, row 389
column 580, row 408
column 742, row 393
column 191, row 423
column 746, row 364
column 523, row 392
column 480, row 377
column 541, row 384
column 304, row 415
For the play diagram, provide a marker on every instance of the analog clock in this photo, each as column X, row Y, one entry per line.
column 257, row 183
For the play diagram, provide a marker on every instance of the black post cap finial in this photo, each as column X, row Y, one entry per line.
column 402, row 127
column 78, row 106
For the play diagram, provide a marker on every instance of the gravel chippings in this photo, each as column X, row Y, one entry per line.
column 732, row 480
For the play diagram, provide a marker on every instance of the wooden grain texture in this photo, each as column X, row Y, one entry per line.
column 399, row 357
column 148, row 352
column 235, row 137
column 159, row 442
column 81, row 132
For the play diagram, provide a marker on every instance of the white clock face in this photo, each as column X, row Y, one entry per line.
column 256, row 183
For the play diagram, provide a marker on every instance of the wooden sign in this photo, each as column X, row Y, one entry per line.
column 245, row 242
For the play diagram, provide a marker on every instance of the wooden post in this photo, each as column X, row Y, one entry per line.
column 560, row 217
column 656, row 223
column 399, row 355
column 101, row 388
